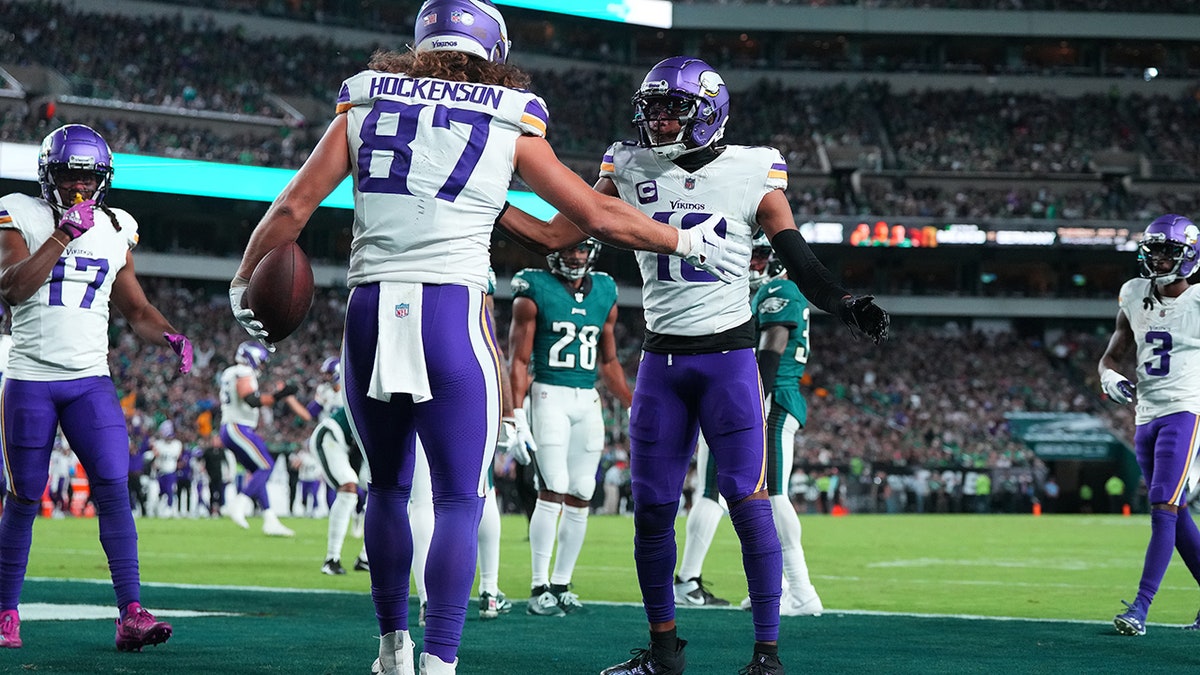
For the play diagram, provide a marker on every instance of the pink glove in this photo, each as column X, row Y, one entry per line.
column 182, row 347
column 78, row 219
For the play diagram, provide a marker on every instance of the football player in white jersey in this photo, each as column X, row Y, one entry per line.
column 65, row 257
column 432, row 137
column 240, row 403
column 698, row 368
column 1159, row 321
column 166, row 450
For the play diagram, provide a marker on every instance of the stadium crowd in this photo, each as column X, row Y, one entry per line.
column 873, row 427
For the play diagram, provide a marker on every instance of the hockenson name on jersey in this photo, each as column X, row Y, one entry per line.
column 435, row 90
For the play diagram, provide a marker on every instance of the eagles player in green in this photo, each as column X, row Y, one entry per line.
column 561, row 338
column 782, row 314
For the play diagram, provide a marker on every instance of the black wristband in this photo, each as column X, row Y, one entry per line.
column 768, row 366
column 286, row 391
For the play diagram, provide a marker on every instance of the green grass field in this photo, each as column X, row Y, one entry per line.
column 902, row 594
column 1049, row 567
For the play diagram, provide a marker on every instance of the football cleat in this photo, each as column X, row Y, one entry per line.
column 361, row 565
column 568, row 602
column 395, row 655
column 237, row 510
column 763, row 664
column 333, row 567
column 543, row 603
column 693, row 593
column 431, row 664
column 10, row 629
column 794, row 605
column 1133, row 620
column 644, row 662
column 139, row 628
column 493, row 605
column 1195, row 624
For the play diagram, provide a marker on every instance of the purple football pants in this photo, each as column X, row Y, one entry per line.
column 94, row 425
column 677, row 396
column 458, row 428
column 1166, row 448
column 251, row 452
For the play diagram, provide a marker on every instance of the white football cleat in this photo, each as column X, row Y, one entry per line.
column 238, row 508
column 432, row 665
column 395, row 655
column 273, row 528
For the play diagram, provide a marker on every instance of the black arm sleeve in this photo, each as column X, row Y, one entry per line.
column 253, row 399
column 768, row 366
column 814, row 280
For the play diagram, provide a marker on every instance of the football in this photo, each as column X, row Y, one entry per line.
column 281, row 290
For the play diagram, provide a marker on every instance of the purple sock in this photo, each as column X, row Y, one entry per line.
column 1187, row 541
column 1158, row 553
column 118, row 537
column 451, row 562
column 762, row 558
column 654, row 557
column 388, row 537
column 16, row 535
column 256, row 489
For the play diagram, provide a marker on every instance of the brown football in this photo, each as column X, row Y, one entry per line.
column 281, row 290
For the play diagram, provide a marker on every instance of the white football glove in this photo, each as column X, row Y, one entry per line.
column 723, row 258
column 243, row 314
column 1116, row 386
column 508, row 441
column 520, row 439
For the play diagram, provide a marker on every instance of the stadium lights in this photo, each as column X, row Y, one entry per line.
column 655, row 13
column 1150, row 73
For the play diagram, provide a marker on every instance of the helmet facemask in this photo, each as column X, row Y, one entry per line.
column 571, row 266
column 74, row 153
column 1169, row 250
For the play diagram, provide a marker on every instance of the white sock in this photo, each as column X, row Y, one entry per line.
column 572, row 529
column 339, row 522
column 795, row 569
column 701, row 527
column 420, row 519
column 489, row 545
column 542, row 526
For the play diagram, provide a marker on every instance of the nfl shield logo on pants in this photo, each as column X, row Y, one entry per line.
column 402, row 310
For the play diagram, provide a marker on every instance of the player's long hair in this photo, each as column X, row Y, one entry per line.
column 452, row 66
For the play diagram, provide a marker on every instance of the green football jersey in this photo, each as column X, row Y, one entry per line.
column 567, row 330
column 779, row 303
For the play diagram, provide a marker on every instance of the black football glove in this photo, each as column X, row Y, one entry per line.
column 861, row 314
column 286, row 391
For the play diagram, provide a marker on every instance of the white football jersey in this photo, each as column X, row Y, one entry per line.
column 329, row 398
column 678, row 298
column 233, row 409
column 431, row 164
column 1168, row 349
column 166, row 454
column 71, row 306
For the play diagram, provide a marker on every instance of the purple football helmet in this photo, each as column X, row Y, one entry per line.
column 559, row 265
column 471, row 26
column 1169, row 250
column 333, row 366
column 252, row 354
column 71, row 147
column 685, row 89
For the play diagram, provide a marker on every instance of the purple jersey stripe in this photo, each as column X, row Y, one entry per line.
column 538, row 110
column 779, row 167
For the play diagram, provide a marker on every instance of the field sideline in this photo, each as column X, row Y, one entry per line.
column 1050, row 567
